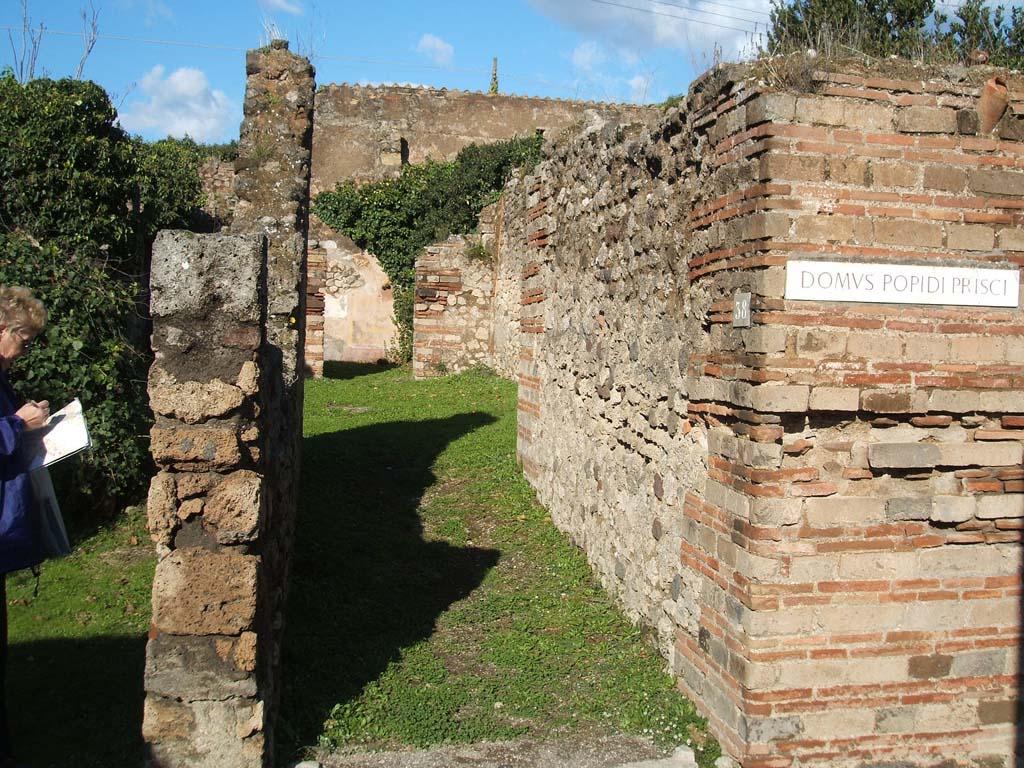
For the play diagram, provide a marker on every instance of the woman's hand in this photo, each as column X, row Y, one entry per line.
column 34, row 414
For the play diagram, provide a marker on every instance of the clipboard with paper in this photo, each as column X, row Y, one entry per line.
column 64, row 434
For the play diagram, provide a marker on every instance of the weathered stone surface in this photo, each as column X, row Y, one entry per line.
column 191, row 401
column 248, row 378
column 200, row 448
column 834, row 399
column 1000, row 454
column 234, row 507
column 952, row 509
column 1000, row 183
column 780, row 398
column 166, row 721
column 197, row 275
column 920, row 119
column 909, row 509
column 881, row 401
column 162, row 508
column 997, row 505
column 190, row 669
column 998, row 711
column 191, row 484
column 903, row 455
column 196, row 592
column 216, row 734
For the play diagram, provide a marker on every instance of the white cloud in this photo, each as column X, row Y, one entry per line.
column 692, row 26
column 639, row 88
column 436, row 49
column 588, row 56
column 288, row 6
column 181, row 103
column 157, row 12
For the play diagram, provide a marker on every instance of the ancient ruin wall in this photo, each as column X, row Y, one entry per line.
column 226, row 388
column 820, row 513
column 217, row 177
column 467, row 304
column 366, row 134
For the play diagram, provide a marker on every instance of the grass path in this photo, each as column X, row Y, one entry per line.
column 77, row 653
column 432, row 600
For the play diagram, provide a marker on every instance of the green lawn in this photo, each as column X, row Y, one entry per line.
column 74, row 688
column 432, row 600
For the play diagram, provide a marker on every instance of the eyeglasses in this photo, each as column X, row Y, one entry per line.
column 25, row 339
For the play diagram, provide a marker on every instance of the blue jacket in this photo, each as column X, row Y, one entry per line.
column 19, row 536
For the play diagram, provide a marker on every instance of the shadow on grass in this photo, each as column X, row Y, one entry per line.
column 77, row 703
column 340, row 370
column 364, row 582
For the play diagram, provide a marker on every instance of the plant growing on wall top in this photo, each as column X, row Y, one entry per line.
column 912, row 29
column 395, row 218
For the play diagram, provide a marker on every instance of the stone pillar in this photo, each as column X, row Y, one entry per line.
column 204, row 703
column 226, row 388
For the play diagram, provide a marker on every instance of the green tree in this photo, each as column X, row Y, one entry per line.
column 876, row 27
column 65, row 166
column 975, row 27
column 169, row 191
column 912, row 29
column 85, row 353
column 80, row 203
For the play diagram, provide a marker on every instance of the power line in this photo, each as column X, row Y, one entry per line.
column 125, row 38
column 715, row 13
column 674, row 16
column 319, row 57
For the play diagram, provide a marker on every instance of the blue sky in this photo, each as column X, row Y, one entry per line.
column 177, row 66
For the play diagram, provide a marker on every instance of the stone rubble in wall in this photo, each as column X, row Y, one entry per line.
column 340, row 278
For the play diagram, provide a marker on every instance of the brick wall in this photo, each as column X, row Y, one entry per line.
column 467, row 305
column 820, row 514
column 226, row 388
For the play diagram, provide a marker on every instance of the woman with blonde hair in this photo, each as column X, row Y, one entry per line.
column 22, row 318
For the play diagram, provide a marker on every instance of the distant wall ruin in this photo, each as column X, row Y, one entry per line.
column 363, row 134
column 226, row 387
column 819, row 511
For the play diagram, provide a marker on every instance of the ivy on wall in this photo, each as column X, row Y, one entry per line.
column 395, row 218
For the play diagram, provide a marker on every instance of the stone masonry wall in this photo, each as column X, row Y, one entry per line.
column 366, row 133
column 465, row 310
column 218, row 180
column 821, row 513
column 226, row 388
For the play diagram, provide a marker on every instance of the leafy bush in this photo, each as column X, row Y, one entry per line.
column 169, row 189
column 84, row 353
column 911, row 29
column 65, row 166
column 80, row 203
column 395, row 218
column 226, row 151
